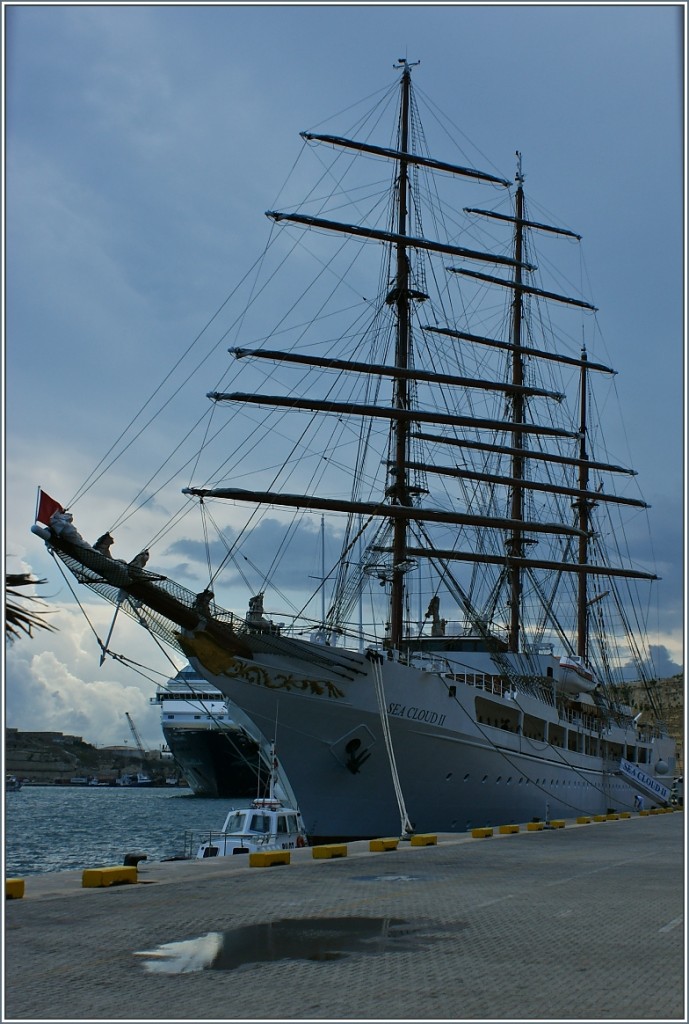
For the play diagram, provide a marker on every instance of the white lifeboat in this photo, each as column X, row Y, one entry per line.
column 575, row 676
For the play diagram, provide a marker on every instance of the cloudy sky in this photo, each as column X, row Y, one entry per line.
column 143, row 144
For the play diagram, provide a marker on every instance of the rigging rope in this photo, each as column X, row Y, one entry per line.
column 94, row 476
column 58, row 563
column 142, row 670
column 103, row 646
column 204, row 525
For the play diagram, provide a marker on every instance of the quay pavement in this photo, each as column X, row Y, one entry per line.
column 583, row 923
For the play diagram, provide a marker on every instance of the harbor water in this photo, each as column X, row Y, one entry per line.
column 61, row 828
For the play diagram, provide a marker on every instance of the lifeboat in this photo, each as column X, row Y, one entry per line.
column 575, row 676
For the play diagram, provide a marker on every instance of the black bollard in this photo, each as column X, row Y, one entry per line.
column 132, row 859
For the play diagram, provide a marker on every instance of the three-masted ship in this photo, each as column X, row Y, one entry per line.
column 462, row 484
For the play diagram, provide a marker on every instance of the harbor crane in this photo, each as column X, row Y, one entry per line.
column 135, row 734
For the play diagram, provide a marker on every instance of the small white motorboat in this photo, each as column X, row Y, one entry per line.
column 266, row 824
column 134, row 779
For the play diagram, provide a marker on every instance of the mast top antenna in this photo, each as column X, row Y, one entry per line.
column 519, row 176
column 402, row 62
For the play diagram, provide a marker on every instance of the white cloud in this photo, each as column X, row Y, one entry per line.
column 54, row 681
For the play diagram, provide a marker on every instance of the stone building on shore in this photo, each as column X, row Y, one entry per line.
column 57, row 758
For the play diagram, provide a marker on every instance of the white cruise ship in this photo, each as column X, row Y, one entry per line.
column 215, row 753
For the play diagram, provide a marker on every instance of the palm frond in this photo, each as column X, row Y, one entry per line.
column 21, row 619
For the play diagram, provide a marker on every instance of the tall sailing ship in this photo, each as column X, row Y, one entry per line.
column 468, row 666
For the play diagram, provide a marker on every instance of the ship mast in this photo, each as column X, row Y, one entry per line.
column 399, row 506
column 518, row 451
column 583, row 506
column 399, row 491
column 515, row 543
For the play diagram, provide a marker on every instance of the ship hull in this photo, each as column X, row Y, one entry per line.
column 215, row 762
column 465, row 756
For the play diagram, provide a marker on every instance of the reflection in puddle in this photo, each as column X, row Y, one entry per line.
column 320, row 939
column 183, row 957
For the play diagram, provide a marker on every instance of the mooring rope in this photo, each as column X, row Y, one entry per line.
column 376, row 665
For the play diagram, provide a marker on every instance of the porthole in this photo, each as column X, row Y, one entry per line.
column 484, row 779
column 467, row 777
column 499, row 779
column 448, row 776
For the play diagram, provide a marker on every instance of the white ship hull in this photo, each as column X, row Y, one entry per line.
column 456, row 772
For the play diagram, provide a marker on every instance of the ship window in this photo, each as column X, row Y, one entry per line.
column 486, row 709
column 234, row 822
column 282, row 824
column 260, row 823
column 292, row 823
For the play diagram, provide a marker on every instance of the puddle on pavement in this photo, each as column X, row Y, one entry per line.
column 318, row 939
column 387, row 878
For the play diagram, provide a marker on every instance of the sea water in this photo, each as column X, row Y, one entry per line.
column 60, row 828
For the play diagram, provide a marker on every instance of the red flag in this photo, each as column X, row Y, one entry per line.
column 45, row 508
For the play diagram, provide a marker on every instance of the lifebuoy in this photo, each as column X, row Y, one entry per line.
column 301, row 841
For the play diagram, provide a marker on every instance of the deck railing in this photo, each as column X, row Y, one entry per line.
column 223, row 840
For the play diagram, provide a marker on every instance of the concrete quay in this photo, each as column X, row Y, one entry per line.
column 583, row 922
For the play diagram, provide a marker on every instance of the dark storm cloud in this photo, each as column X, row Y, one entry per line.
column 144, row 142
